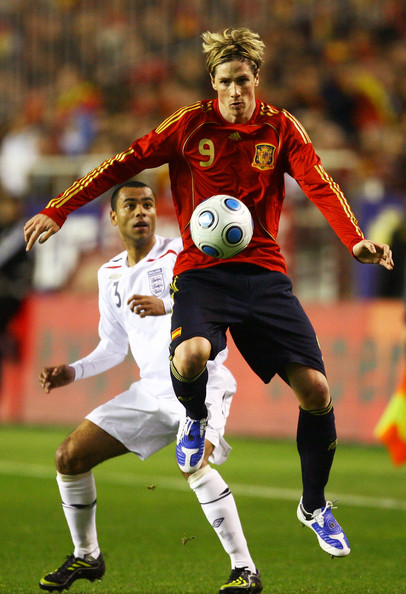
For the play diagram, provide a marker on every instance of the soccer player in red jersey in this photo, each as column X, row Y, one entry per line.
column 243, row 147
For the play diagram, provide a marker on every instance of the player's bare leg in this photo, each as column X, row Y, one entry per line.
column 84, row 448
column 316, row 443
column 87, row 446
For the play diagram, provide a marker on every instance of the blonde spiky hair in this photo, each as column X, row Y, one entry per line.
column 241, row 44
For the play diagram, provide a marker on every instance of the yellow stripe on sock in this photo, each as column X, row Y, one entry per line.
column 320, row 411
column 185, row 380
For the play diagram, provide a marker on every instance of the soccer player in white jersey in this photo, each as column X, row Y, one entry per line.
column 134, row 305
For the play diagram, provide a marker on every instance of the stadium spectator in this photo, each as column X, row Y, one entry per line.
column 16, row 267
column 19, row 149
column 394, row 286
column 134, row 310
column 241, row 146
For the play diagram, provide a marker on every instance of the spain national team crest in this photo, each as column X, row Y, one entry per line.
column 156, row 282
column 264, row 156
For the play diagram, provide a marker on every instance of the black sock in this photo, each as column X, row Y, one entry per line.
column 316, row 444
column 191, row 392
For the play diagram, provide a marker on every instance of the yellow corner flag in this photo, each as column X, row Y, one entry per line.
column 391, row 428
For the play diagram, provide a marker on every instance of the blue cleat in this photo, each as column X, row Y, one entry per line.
column 190, row 444
column 329, row 533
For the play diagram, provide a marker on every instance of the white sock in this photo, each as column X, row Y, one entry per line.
column 220, row 509
column 78, row 493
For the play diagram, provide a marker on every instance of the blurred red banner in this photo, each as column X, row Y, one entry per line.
column 360, row 341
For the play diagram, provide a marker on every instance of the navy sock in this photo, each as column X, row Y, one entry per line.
column 316, row 444
column 191, row 392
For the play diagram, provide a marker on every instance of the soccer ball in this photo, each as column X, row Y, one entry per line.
column 221, row 226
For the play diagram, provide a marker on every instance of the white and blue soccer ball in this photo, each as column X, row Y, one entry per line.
column 221, row 226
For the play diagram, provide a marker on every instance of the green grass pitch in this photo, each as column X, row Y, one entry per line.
column 146, row 512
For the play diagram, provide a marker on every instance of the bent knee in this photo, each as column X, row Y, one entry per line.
column 310, row 386
column 316, row 396
column 67, row 458
column 191, row 356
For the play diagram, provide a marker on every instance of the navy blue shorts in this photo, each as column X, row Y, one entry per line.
column 266, row 321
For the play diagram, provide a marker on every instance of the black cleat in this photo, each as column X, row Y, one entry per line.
column 242, row 580
column 73, row 569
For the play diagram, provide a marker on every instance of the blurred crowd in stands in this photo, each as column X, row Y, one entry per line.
column 88, row 76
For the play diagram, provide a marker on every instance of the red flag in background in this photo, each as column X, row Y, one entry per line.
column 391, row 428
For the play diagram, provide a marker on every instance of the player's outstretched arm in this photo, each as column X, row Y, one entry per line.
column 56, row 377
column 370, row 252
column 39, row 226
column 146, row 305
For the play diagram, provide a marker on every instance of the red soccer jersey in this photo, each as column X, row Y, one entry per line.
column 208, row 155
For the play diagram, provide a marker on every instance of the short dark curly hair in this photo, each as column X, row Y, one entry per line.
column 128, row 184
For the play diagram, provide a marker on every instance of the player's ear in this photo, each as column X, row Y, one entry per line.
column 213, row 83
column 113, row 218
column 256, row 82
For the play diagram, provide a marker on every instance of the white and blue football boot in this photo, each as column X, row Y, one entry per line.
column 329, row 533
column 190, row 444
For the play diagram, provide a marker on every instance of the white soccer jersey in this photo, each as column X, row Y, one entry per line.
column 145, row 417
column 119, row 327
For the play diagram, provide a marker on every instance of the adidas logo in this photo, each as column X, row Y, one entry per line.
column 235, row 136
column 332, row 445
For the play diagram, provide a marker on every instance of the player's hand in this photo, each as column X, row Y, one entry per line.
column 369, row 252
column 55, row 377
column 146, row 305
column 40, row 226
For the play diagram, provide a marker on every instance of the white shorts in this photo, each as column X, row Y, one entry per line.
column 145, row 424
